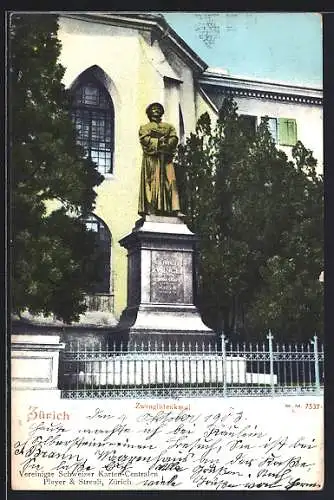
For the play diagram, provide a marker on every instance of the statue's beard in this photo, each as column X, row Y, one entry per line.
column 156, row 119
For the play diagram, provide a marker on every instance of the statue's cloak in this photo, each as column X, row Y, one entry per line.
column 158, row 190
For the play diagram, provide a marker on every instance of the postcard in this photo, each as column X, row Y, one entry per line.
column 140, row 393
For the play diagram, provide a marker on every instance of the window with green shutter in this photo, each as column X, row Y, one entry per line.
column 287, row 131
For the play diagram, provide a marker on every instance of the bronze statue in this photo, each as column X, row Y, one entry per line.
column 158, row 193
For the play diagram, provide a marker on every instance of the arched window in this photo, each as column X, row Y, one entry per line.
column 102, row 253
column 93, row 116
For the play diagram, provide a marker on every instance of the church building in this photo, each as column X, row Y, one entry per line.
column 118, row 63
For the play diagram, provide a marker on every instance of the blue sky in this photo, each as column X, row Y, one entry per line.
column 273, row 46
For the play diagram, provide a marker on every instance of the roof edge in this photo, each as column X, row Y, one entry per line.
column 207, row 99
column 144, row 21
column 249, row 85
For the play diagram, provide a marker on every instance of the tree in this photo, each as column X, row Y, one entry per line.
column 259, row 218
column 51, row 268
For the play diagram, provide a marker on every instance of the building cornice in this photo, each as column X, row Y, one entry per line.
column 144, row 21
column 242, row 87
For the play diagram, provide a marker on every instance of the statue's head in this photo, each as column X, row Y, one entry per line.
column 155, row 111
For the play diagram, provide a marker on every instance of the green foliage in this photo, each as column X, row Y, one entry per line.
column 50, row 250
column 259, row 217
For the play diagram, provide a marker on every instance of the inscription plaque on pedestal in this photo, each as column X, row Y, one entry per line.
column 161, row 283
column 167, row 281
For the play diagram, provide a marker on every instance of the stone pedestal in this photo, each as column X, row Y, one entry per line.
column 34, row 362
column 161, row 283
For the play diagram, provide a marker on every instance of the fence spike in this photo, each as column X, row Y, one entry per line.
column 316, row 364
column 271, row 362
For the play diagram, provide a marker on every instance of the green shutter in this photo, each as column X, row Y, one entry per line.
column 287, row 131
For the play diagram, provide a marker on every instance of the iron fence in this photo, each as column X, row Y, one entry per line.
column 184, row 370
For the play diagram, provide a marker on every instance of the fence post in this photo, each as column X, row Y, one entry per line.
column 224, row 362
column 271, row 359
column 316, row 363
